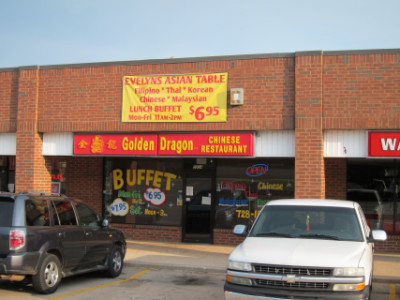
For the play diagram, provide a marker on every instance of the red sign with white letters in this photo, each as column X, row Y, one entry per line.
column 201, row 144
column 384, row 144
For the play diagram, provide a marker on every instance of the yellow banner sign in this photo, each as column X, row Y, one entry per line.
column 175, row 98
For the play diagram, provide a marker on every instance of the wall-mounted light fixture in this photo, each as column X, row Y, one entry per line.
column 236, row 96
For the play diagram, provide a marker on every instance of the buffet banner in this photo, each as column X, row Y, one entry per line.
column 175, row 98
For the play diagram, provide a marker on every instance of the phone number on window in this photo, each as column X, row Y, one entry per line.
column 245, row 214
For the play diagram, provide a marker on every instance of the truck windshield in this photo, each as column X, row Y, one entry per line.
column 332, row 223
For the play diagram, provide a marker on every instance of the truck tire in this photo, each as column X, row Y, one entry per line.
column 48, row 278
column 370, row 287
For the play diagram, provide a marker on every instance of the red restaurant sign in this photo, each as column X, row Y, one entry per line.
column 202, row 144
column 384, row 144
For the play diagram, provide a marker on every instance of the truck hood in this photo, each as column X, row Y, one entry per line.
column 300, row 252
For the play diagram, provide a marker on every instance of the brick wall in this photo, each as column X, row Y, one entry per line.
column 151, row 233
column 8, row 101
column 391, row 245
column 96, row 92
column 317, row 91
column 361, row 91
column 226, row 237
column 84, row 180
column 335, row 178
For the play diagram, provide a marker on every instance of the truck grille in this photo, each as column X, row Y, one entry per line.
column 295, row 285
column 285, row 270
column 289, row 270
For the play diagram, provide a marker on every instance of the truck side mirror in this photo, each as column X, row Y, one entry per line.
column 240, row 230
column 378, row 235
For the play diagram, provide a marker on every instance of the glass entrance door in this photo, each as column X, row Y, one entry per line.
column 198, row 210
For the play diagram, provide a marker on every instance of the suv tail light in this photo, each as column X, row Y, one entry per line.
column 17, row 239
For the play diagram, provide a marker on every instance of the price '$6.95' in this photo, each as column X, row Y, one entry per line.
column 202, row 112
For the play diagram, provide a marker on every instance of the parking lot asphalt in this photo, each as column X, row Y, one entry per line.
column 215, row 258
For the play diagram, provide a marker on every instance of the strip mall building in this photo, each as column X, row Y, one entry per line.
column 184, row 149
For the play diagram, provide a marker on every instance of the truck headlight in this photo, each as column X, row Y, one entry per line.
column 239, row 280
column 348, row 272
column 239, row 266
column 349, row 287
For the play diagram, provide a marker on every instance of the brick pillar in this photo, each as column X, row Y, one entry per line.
column 84, row 178
column 31, row 171
column 309, row 162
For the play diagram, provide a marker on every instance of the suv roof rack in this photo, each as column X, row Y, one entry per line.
column 40, row 193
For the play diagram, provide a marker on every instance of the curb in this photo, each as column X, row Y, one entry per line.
column 176, row 267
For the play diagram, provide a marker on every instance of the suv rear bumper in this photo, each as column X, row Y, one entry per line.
column 20, row 264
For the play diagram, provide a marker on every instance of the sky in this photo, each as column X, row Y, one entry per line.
column 53, row 32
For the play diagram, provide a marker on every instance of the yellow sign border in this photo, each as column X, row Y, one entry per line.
column 175, row 98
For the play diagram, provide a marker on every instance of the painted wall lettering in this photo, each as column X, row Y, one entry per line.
column 133, row 177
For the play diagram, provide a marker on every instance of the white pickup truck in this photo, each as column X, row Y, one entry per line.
column 304, row 249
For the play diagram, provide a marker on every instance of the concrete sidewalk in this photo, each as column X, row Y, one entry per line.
column 215, row 258
column 387, row 267
column 178, row 255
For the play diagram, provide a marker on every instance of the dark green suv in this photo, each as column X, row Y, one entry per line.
column 46, row 237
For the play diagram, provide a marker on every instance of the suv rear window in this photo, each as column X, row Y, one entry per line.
column 65, row 213
column 6, row 212
column 37, row 213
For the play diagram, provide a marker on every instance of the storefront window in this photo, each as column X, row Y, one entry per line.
column 58, row 180
column 245, row 186
column 375, row 185
column 7, row 173
column 143, row 191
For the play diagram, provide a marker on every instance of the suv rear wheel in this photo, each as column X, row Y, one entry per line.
column 48, row 278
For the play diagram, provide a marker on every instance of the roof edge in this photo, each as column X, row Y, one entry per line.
column 156, row 61
column 204, row 59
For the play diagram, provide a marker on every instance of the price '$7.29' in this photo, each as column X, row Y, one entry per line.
column 203, row 111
